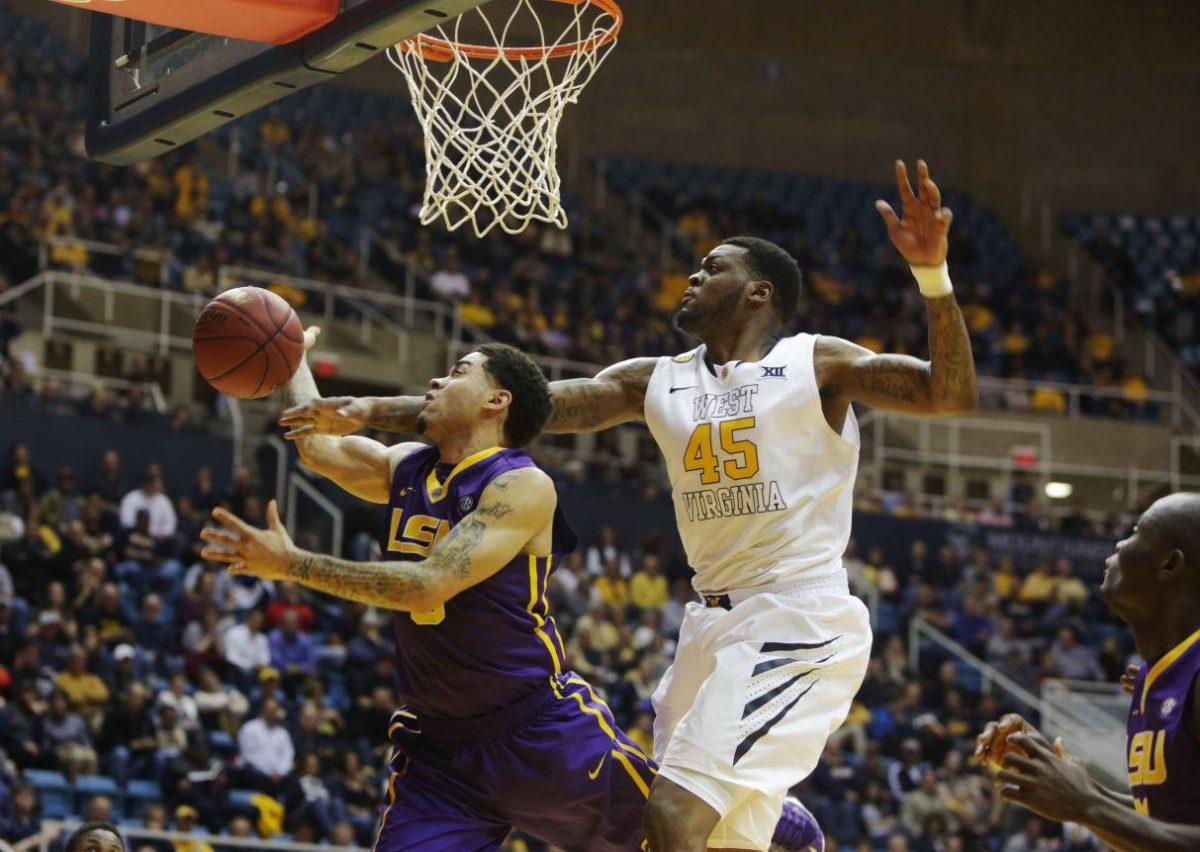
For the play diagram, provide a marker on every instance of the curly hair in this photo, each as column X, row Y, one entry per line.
column 515, row 372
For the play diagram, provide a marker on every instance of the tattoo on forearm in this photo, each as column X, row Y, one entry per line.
column 615, row 395
column 384, row 584
column 398, row 414
column 952, row 366
column 885, row 377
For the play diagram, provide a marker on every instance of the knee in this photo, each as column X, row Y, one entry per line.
column 677, row 820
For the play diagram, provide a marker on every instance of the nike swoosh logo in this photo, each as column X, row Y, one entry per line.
column 595, row 772
column 404, row 491
column 685, row 387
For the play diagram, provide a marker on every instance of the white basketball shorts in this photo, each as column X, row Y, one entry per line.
column 743, row 713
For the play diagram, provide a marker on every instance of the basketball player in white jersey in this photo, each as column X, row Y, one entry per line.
column 762, row 446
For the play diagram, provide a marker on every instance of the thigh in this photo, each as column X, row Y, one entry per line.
column 694, row 662
column 426, row 813
column 579, row 783
column 782, row 682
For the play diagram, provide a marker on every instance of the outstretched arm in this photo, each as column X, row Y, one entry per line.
column 945, row 384
column 1056, row 785
column 359, row 465
column 512, row 510
column 615, row 395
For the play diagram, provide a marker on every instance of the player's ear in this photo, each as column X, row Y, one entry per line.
column 499, row 399
column 760, row 292
column 1173, row 567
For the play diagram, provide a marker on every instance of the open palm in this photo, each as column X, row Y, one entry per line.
column 920, row 236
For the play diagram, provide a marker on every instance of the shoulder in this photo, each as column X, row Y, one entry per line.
column 406, row 450
column 632, row 374
column 528, row 479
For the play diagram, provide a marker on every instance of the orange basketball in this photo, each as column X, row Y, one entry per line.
column 247, row 342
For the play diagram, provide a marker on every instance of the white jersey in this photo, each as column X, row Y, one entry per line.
column 763, row 487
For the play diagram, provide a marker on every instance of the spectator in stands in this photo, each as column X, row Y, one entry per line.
column 266, row 749
column 612, row 587
column 1039, row 586
column 292, row 651
column 221, row 707
column 20, row 469
column 109, row 482
column 128, row 738
column 306, row 798
column 922, row 803
column 648, row 586
column 246, row 646
column 907, row 774
column 606, row 550
column 150, row 497
column 177, row 695
column 170, row 733
column 107, row 616
column 203, row 493
column 1072, row 660
column 185, row 823
column 86, row 693
column 290, row 600
column 99, row 809
column 1030, row 839
column 449, row 282
column 66, row 736
column 151, row 631
column 23, row 818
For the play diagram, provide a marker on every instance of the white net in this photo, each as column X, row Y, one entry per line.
column 489, row 89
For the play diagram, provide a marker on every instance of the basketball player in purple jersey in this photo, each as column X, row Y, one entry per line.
column 495, row 732
column 1152, row 582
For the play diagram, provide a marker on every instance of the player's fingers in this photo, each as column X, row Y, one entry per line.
column 945, row 216
column 300, row 432
column 219, row 536
column 295, row 413
column 232, row 521
column 930, row 193
column 902, row 184
column 219, row 554
column 1014, row 794
column 273, row 516
column 1060, row 748
column 1030, row 744
column 1011, row 776
column 314, row 330
column 239, row 568
column 890, row 219
column 1013, row 761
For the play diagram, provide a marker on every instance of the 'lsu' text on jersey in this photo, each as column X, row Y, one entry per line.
column 1164, row 753
column 763, row 487
column 493, row 643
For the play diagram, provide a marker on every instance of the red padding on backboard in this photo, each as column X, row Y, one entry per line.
column 274, row 21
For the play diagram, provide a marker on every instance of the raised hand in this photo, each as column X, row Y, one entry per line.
column 992, row 743
column 920, row 236
column 253, row 552
column 333, row 415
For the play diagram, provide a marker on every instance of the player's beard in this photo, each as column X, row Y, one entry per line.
column 422, row 423
column 692, row 321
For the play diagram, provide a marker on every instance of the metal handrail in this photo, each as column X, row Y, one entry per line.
column 297, row 482
column 72, row 377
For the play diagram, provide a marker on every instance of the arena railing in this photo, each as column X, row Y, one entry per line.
column 1088, row 734
column 119, row 255
column 70, row 378
column 52, row 830
column 1134, row 477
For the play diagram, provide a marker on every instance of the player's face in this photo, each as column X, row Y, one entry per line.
column 101, row 840
column 455, row 401
column 1129, row 574
column 714, row 291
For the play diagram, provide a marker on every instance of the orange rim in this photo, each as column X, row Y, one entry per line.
column 437, row 49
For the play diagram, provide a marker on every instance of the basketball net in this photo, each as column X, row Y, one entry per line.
column 490, row 111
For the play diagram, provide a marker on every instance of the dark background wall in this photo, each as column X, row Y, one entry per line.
column 1083, row 104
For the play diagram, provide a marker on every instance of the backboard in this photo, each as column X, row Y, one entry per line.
column 154, row 87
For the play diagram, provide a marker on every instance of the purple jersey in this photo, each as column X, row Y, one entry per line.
column 1164, row 753
column 493, row 643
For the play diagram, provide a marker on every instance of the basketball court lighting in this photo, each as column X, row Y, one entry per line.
column 1059, row 490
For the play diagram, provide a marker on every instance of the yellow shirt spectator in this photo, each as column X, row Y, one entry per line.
column 1015, row 341
column 1136, row 390
column 1049, row 399
column 85, row 691
column 1100, row 346
column 648, row 589
column 613, row 590
column 1038, row 587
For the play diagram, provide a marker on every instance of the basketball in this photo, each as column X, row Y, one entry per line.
column 247, row 342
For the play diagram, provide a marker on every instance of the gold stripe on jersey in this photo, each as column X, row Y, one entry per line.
column 1161, row 666
column 539, row 622
column 437, row 491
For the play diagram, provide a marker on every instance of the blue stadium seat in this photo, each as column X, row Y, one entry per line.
column 241, row 797
column 140, row 792
column 53, row 790
column 87, row 786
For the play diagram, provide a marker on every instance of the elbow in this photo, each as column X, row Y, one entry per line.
column 427, row 599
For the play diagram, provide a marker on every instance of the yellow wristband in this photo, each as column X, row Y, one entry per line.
column 933, row 281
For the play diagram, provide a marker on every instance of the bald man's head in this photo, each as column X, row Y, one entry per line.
column 1158, row 562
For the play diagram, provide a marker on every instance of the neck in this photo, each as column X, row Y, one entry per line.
column 1157, row 635
column 454, row 448
column 750, row 342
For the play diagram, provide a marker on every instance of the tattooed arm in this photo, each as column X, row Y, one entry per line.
column 512, row 511
column 616, row 394
column 945, row 384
